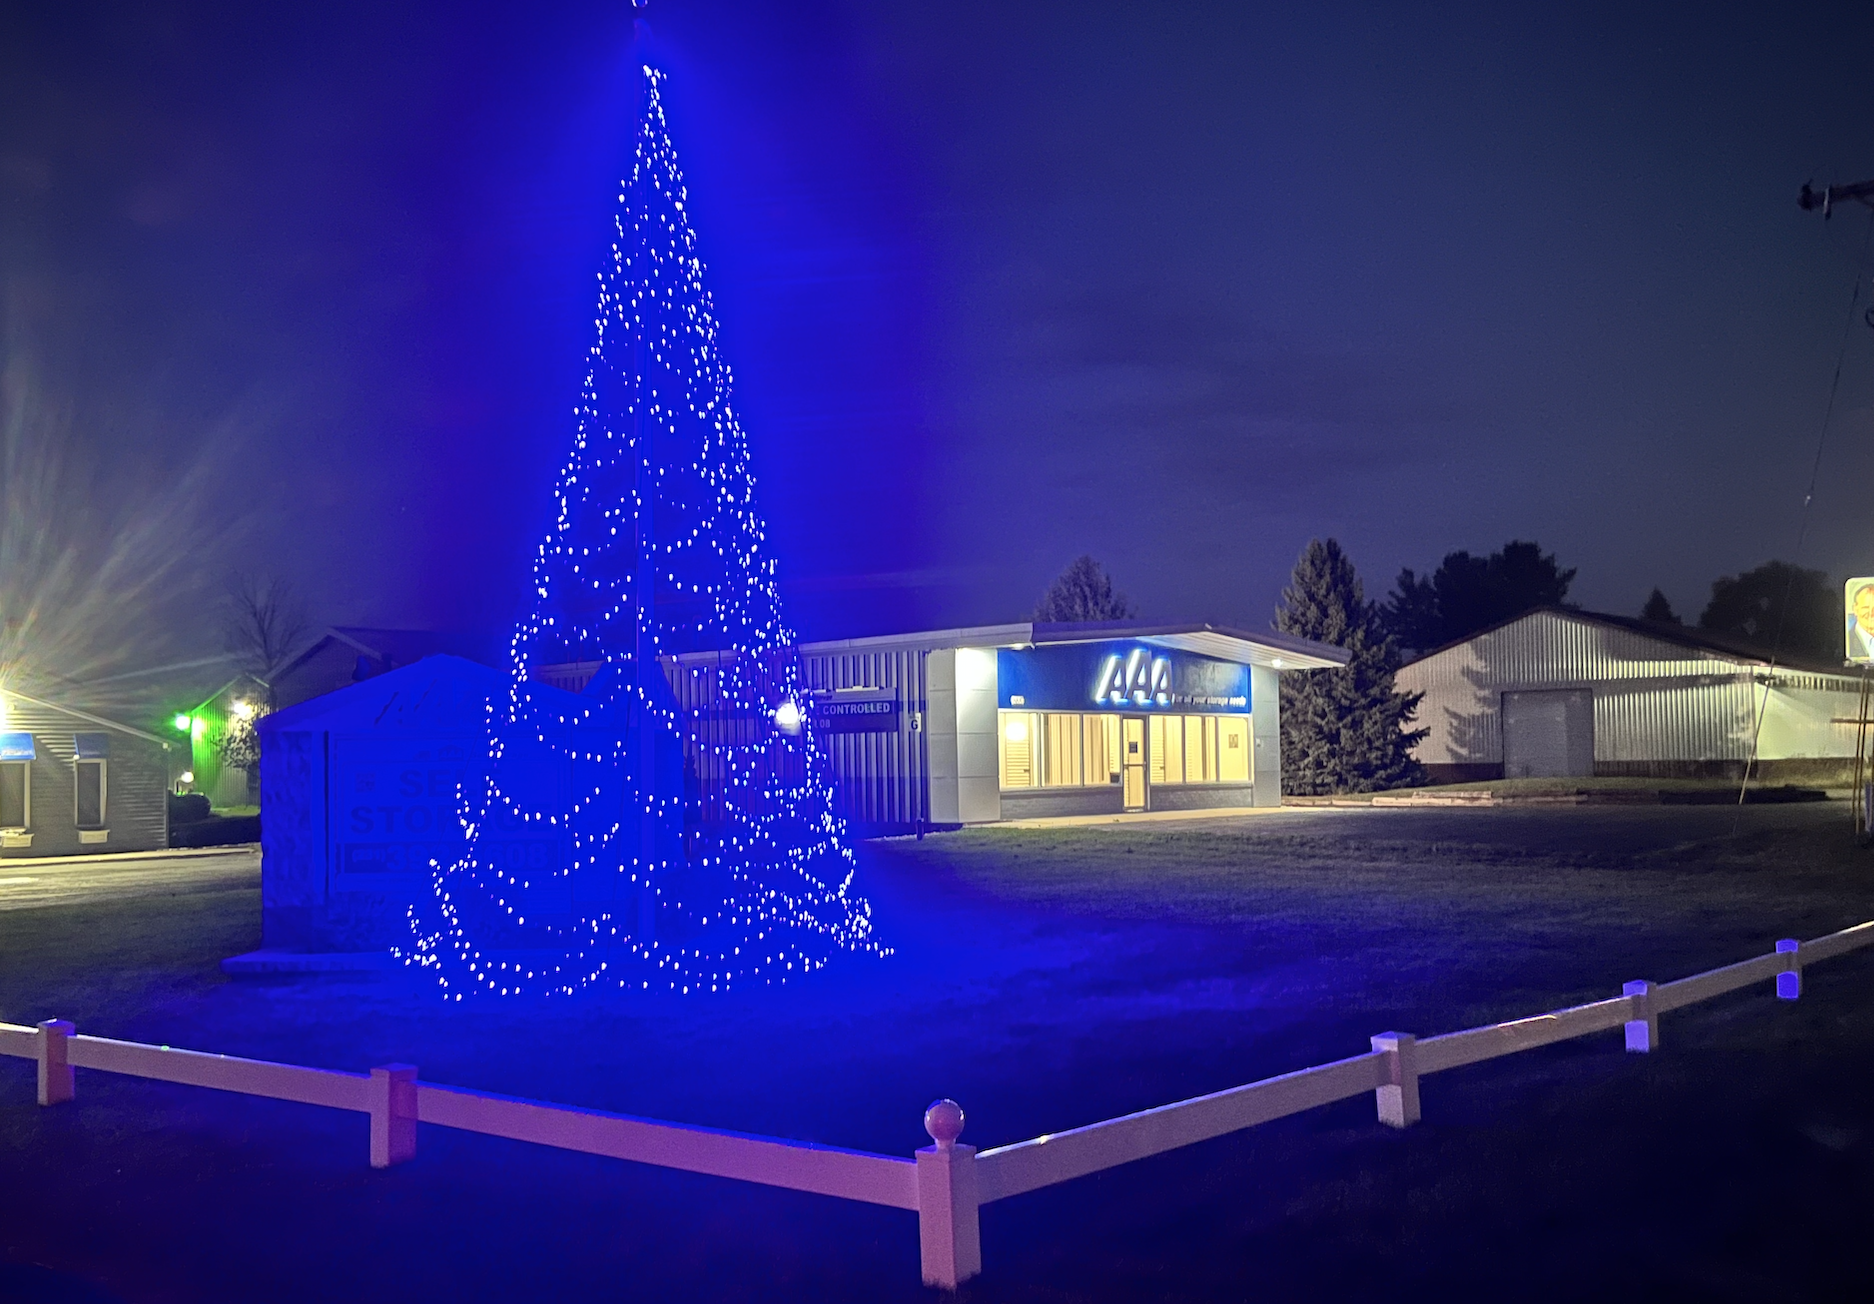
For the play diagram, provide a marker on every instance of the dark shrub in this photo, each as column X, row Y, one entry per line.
column 187, row 808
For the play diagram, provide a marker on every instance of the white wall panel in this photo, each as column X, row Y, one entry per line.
column 1653, row 699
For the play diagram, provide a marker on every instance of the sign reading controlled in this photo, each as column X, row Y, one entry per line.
column 874, row 715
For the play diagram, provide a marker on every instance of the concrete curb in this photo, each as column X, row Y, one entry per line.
column 272, row 962
column 108, row 857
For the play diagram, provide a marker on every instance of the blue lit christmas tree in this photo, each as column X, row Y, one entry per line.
column 634, row 836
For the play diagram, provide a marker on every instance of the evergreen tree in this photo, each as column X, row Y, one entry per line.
column 1466, row 594
column 1778, row 606
column 657, row 547
column 1346, row 730
column 1083, row 592
column 1658, row 609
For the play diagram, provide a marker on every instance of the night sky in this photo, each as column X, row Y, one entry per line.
column 306, row 289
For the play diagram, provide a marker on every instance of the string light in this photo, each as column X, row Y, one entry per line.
column 656, row 550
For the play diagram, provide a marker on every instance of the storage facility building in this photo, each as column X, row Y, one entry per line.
column 921, row 731
column 971, row 726
column 1558, row 692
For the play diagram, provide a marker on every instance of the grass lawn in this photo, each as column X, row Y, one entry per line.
column 1715, row 790
column 1045, row 978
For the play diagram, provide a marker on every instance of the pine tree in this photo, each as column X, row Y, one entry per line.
column 1346, row 730
column 1083, row 592
column 1466, row 594
column 656, row 548
column 1778, row 607
column 1658, row 609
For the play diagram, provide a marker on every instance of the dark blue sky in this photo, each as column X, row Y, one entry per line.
column 306, row 288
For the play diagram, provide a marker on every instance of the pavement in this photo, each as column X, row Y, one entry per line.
column 1142, row 817
column 35, row 884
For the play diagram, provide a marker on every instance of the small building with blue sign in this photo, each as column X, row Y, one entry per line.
column 973, row 726
column 74, row 783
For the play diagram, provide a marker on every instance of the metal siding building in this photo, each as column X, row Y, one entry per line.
column 1666, row 702
column 126, row 800
column 919, row 729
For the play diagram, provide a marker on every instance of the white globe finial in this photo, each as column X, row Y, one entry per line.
column 944, row 1121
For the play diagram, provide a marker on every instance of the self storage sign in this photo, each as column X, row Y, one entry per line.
column 393, row 805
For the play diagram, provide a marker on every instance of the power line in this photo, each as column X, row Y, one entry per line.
column 1809, row 200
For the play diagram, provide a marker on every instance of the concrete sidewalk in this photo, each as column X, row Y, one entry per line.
column 1142, row 817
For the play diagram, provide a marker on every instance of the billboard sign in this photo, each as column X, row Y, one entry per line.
column 1858, row 612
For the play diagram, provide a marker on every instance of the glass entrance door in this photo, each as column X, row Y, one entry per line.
column 1132, row 760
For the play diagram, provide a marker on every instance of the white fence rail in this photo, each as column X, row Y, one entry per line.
column 946, row 1184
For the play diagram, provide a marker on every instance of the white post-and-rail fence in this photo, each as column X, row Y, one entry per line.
column 946, row 1184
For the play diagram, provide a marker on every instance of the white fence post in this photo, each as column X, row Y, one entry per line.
column 1789, row 982
column 1643, row 1022
column 948, row 1229
column 55, row 1069
column 393, row 1114
column 1398, row 1093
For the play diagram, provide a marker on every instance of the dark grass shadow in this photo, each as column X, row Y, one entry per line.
column 1046, row 979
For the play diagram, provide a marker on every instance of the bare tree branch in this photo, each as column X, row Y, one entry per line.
column 265, row 626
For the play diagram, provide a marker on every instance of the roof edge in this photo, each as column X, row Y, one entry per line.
column 1686, row 636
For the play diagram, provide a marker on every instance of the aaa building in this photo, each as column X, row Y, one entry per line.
column 971, row 726
column 1559, row 693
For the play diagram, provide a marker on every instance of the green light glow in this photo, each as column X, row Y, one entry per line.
column 183, row 723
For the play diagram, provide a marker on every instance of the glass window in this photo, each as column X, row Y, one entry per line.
column 1233, row 749
column 1018, row 748
column 1102, row 762
column 90, row 794
column 1199, row 748
column 1057, row 749
column 1063, row 751
column 15, row 794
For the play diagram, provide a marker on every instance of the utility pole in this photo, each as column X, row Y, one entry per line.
column 1825, row 199
column 1808, row 200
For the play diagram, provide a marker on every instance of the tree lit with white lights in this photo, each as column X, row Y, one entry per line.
column 632, row 836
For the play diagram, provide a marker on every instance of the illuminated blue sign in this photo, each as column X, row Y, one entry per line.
column 16, row 747
column 1120, row 676
column 1136, row 678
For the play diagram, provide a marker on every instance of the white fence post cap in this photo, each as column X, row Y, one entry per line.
column 944, row 1121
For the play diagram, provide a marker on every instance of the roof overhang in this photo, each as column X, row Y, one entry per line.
column 1271, row 651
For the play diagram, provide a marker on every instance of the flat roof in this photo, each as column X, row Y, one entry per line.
column 1271, row 650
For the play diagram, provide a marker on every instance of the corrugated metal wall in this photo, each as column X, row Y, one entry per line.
column 878, row 777
column 136, row 779
column 696, row 682
column 1653, row 700
column 1692, row 722
column 881, row 777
